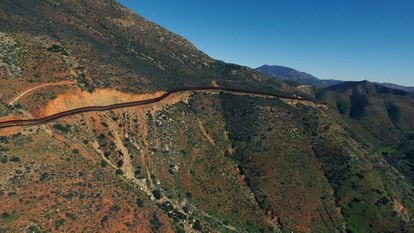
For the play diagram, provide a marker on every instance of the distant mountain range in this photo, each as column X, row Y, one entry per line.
column 396, row 86
column 289, row 74
column 292, row 75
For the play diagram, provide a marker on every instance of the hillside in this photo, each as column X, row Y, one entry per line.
column 386, row 114
column 202, row 160
column 100, row 44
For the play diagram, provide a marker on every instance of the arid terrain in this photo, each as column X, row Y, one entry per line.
column 196, row 161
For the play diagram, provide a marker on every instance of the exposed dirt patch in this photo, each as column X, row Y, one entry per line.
column 76, row 98
column 401, row 210
column 126, row 166
column 209, row 138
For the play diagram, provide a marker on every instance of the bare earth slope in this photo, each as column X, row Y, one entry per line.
column 205, row 161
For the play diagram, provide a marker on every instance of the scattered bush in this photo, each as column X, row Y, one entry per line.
column 62, row 128
column 5, row 215
column 188, row 194
column 4, row 139
column 14, row 159
column 155, row 223
column 107, row 154
column 140, row 202
column 59, row 223
column 382, row 201
column 34, row 229
column 57, row 49
column 197, row 226
column 157, row 194
column 71, row 216
column 44, row 176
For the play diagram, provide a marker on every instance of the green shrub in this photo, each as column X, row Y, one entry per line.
column 155, row 223
column 62, row 128
column 5, row 215
column 157, row 194
column 188, row 194
column 14, row 159
column 197, row 226
column 44, row 176
column 59, row 223
column 140, row 202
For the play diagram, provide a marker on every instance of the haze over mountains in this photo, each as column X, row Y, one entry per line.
column 197, row 161
column 289, row 74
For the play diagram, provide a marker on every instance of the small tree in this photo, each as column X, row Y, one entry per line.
column 119, row 172
column 157, row 194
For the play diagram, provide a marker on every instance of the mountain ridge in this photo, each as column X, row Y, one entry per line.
column 290, row 74
column 198, row 161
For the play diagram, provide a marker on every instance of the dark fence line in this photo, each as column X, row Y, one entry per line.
column 47, row 119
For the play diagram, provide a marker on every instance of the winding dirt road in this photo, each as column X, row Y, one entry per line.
column 61, row 83
column 47, row 119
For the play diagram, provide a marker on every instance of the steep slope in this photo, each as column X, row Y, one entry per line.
column 197, row 161
column 379, row 108
column 209, row 162
column 384, row 115
column 101, row 44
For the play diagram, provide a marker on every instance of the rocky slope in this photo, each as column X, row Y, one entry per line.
column 101, row 44
column 195, row 162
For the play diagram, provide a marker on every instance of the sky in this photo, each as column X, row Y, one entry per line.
column 331, row 39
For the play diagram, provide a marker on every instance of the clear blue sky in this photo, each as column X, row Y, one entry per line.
column 342, row 39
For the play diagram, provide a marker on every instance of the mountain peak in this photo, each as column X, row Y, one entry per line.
column 292, row 75
column 286, row 73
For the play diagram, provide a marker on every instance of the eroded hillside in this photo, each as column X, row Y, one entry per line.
column 197, row 161
column 204, row 161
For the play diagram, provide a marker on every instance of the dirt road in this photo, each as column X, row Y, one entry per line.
column 61, row 83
